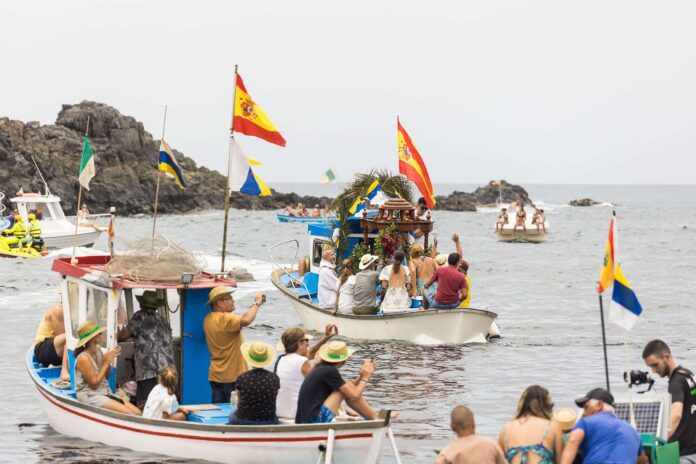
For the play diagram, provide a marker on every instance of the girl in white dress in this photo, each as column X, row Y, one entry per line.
column 397, row 280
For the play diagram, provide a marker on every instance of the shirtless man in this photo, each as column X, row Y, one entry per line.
column 49, row 343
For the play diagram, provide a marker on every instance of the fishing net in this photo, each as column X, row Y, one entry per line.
column 157, row 260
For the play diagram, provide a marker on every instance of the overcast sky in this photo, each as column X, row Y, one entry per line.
column 530, row 91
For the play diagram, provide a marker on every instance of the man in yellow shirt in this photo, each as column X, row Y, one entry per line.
column 223, row 333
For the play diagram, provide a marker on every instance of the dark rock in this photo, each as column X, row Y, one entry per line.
column 482, row 196
column 583, row 202
column 239, row 274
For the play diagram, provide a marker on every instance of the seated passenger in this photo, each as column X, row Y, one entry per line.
column 469, row 448
column 50, row 348
column 162, row 402
column 35, row 232
column 502, row 219
column 397, row 280
column 18, row 232
column 345, row 289
column 323, row 390
column 257, row 389
column 326, row 291
column 365, row 290
column 421, row 268
column 294, row 364
column 532, row 434
column 451, row 285
column 301, row 210
column 316, row 212
column 92, row 368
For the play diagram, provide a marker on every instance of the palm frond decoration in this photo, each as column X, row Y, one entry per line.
column 390, row 184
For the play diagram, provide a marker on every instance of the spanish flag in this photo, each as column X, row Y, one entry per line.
column 412, row 166
column 250, row 119
column 606, row 276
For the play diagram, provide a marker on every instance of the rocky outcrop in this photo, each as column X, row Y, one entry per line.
column 482, row 196
column 126, row 156
column 583, row 202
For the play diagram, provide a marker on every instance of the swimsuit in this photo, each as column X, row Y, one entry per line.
column 539, row 449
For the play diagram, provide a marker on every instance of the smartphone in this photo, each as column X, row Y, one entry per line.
column 263, row 298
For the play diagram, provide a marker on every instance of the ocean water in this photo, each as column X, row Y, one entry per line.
column 544, row 295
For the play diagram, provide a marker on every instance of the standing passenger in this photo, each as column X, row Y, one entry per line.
column 223, row 334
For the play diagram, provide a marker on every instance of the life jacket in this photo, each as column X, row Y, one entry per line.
column 17, row 230
column 35, row 229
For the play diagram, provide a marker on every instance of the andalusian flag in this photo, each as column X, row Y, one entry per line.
column 250, row 119
column 625, row 307
column 87, row 170
column 412, row 166
column 606, row 276
column 168, row 165
column 328, row 177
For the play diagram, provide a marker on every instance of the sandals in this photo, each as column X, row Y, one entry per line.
column 61, row 384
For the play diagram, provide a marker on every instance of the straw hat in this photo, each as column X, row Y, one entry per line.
column 565, row 418
column 280, row 347
column 217, row 293
column 149, row 300
column 87, row 331
column 367, row 260
column 441, row 259
column 335, row 352
column 258, row 354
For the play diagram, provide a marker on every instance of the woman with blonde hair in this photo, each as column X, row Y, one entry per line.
column 532, row 437
column 162, row 402
column 345, row 289
column 421, row 267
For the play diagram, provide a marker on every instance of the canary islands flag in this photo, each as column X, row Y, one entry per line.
column 625, row 307
column 372, row 191
column 250, row 119
column 242, row 178
column 168, row 164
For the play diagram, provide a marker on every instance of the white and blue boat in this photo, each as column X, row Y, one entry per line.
column 431, row 327
column 284, row 216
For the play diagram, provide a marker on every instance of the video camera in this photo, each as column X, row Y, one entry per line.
column 636, row 378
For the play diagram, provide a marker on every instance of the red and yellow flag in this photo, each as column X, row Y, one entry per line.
column 412, row 166
column 606, row 276
column 250, row 119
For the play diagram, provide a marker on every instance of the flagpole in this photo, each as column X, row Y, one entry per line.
column 112, row 211
column 604, row 343
column 154, row 214
column 229, row 166
column 73, row 260
column 631, row 414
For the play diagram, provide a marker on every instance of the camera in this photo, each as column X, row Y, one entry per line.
column 636, row 378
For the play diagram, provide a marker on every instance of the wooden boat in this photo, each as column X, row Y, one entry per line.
column 89, row 292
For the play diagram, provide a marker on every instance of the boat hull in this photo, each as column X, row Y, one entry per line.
column 359, row 441
column 305, row 219
column 431, row 327
column 86, row 237
column 518, row 236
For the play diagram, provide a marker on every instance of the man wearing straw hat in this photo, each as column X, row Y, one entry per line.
column 223, row 334
column 257, row 389
column 323, row 390
column 366, row 281
column 153, row 345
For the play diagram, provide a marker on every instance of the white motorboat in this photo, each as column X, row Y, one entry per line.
column 89, row 293
column 429, row 327
column 509, row 233
column 57, row 230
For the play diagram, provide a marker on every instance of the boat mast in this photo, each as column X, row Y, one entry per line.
column 48, row 191
column 229, row 166
column 73, row 260
column 154, row 213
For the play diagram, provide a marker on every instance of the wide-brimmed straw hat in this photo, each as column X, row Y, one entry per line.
column 441, row 259
column 258, row 354
column 87, row 331
column 335, row 352
column 149, row 299
column 217, row 293
column 565, row 418
column 367, row 260
column 281, row 347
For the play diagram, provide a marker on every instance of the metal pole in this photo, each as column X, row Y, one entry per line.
column 328, row 459
column 112, row 211
column 154, row 213
column 392, row 441
column 604, row 343
column 73, row 260
column 229, row 166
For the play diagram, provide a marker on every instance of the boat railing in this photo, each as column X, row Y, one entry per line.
column 292, row 264
column 2, row 203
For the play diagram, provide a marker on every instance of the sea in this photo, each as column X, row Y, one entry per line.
column 544, row 294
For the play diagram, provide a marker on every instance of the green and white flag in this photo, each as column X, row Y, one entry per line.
column 328, row 177
column 87, row 170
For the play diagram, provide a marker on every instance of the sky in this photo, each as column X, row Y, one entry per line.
column 529, row 91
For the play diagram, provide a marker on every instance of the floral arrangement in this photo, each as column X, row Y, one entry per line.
column 388, row 241
column 359, row 250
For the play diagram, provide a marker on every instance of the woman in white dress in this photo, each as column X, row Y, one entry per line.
column 397, row 280
column 345, row 289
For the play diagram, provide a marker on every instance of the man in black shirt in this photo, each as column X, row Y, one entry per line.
column 324, row 389
column 682, row 387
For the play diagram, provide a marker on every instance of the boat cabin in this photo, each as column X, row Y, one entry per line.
column 47, row 205
column 89, row 293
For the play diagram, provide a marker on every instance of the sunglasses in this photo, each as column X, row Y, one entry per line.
column 306, row 340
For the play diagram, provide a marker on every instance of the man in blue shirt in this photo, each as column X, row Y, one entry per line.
column 602, row 437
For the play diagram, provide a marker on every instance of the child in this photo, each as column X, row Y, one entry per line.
column 162, row 403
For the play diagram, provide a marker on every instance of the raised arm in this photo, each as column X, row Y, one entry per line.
column 93, row 378
column 330, row 331
column 457, row 245
column 250, row 315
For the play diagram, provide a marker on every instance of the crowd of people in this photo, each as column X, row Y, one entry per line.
column 437, row 281
column 21, row 234
column 301, row 211
column 520, row 215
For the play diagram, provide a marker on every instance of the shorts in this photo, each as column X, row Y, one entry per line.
column 45, row 353
column 435, row 305
column 325, row 415
column 92, row 398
